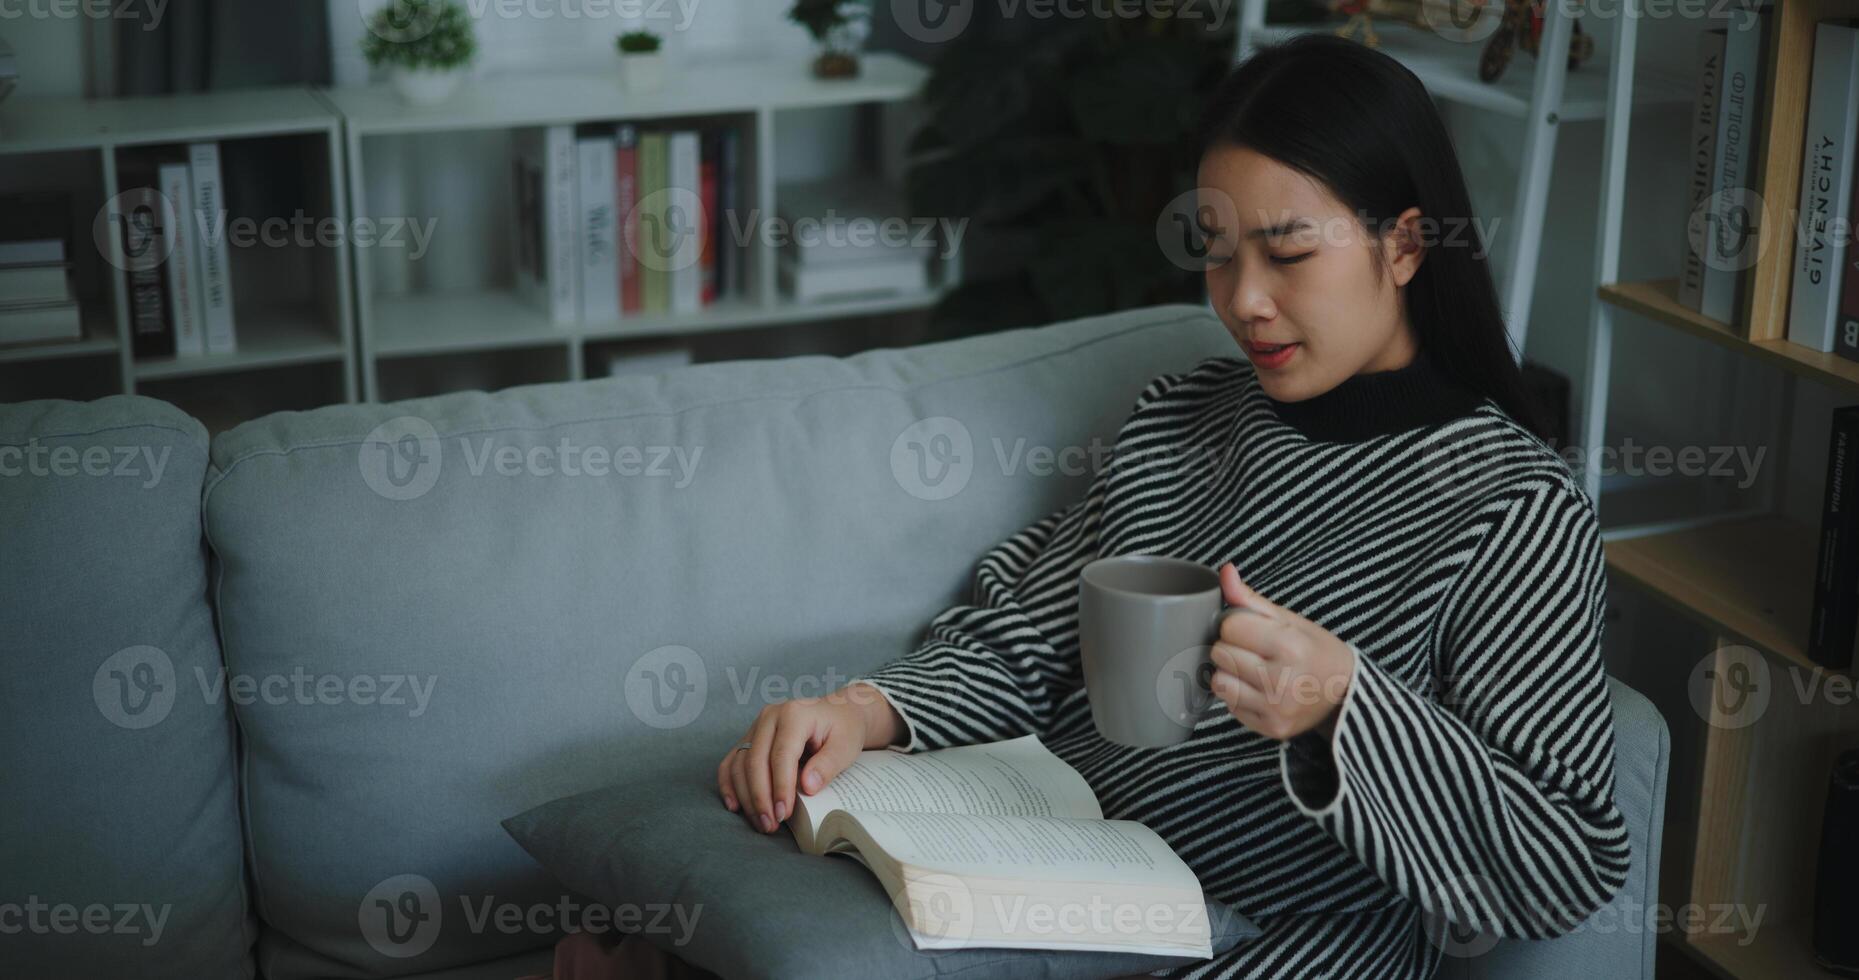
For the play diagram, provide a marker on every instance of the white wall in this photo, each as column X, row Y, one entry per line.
column 52, row 52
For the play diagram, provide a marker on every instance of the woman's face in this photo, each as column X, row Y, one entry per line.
column 1290, row 271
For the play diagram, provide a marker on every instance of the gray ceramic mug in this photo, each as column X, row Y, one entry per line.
column 1146, row 628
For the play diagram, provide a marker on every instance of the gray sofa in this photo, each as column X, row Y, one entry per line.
column 267, row 697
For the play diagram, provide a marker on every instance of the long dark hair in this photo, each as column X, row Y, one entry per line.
column 1360, row 123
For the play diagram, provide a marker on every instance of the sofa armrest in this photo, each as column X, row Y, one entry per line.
column 1618, row 940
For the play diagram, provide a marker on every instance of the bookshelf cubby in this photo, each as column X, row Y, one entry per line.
column 402, row 319
column 79, row 147
column 1746, row 578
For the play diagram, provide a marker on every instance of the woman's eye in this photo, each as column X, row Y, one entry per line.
column 1291, row 259
column 1215, row 260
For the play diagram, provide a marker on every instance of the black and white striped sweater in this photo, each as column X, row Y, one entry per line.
column 1470, row 779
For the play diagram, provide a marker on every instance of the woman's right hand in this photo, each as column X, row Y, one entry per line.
column 760, row 781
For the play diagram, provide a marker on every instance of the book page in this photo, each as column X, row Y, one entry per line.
column 1028, row 848
column 1018, row 777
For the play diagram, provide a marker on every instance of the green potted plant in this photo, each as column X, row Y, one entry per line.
column 839, row 27
column 642, row 63
column 426, row 45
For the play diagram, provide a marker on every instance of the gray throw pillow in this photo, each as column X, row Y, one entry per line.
column 696, row 881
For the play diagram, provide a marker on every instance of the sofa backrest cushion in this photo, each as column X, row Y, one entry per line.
column 120, row 851
column 444, row 612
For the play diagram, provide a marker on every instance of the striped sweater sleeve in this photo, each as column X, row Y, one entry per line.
column 996, row 667
column 1488, row 801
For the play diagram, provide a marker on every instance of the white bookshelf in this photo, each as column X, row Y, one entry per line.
column 76, row 147
column 398, row 325
column 294, row 354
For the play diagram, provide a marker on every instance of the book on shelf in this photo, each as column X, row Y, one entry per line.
column 1703, row 150
column 598, row 254
column 1733, row 162
column 548, row 222
column 35, row 284
column 1834, row 630
column 185, row 292
column 141, row 236
column 626, row 196
column 684, row 216
column 38, row 323
column 208, row 244
column 840, row 280
column 630, row 223
column 730, row 277
column 648, row 227
column 1828, row 151
column 37, row 304
column 966, row 840
column 652, row 358
column 709, row 231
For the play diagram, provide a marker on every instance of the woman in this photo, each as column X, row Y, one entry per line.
column 1435, row 573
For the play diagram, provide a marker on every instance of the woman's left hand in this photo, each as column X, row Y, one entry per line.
column 1280, row 674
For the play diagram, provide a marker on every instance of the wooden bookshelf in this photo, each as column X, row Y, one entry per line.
column 1779, row 953
column 1752, row 578
column 1657, row 300
column 1764, row 771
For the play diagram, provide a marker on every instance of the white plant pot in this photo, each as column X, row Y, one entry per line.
column 427, row 86
column 642, row 72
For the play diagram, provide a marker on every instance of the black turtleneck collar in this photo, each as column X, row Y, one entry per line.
column 1380, row 403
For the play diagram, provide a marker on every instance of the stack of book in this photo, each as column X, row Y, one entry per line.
column 36, row 302
column 175, row 254
column 849, row 238
column 620, row 221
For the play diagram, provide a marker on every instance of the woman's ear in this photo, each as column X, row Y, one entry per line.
column 1406, row 244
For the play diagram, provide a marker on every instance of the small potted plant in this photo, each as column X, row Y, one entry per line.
column 839, row 27
column 425, row 44
column 642, row 64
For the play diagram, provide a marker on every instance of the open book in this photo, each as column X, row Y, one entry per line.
column 1004, row 845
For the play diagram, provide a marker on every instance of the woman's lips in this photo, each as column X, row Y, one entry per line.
column 1270, row 355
